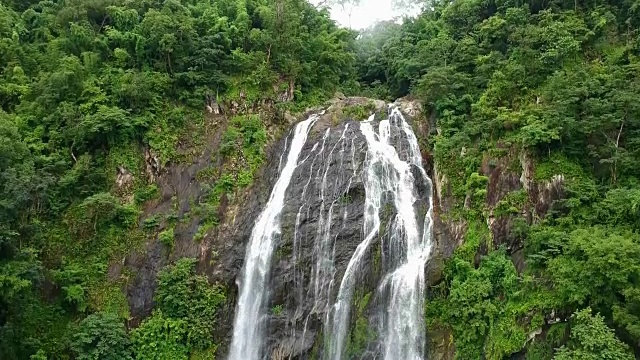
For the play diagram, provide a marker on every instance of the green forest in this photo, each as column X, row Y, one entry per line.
column 558, row 81
column 85, row 85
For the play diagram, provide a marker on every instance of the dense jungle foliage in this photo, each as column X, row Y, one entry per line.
column 557, row 82
column 87, row 85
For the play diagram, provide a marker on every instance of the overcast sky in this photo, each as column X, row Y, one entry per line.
column 365, row 14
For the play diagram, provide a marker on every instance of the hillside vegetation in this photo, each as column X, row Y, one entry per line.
column 557, row 82
column 88, row 87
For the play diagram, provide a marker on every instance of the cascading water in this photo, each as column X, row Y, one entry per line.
column 403, row 326
column 327, row 187
column 379, row 165
column 248, row 327
column 387, row 176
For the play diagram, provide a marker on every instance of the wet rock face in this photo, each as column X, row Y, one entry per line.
column 322, row 219
column 321, row 227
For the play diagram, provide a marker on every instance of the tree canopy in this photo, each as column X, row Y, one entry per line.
column 88, row 87
column 552, row 83
column 85, row 85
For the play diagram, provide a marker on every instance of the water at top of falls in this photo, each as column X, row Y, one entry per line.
column 402, row 326
column 248, row 330
column 392, row 176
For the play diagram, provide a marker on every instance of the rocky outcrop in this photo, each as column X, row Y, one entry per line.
column 440, row 344
column 323, row 213
column 325, row 189
column 221, row 250
column 513, row 194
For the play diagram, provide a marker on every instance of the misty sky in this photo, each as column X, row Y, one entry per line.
column 365, row 14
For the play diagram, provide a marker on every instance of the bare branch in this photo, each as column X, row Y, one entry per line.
column 619, row 133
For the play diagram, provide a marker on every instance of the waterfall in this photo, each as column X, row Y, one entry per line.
column 360, row 185
column 248, row 330
column 386, row 176
column 328, row 190
column 403, row 326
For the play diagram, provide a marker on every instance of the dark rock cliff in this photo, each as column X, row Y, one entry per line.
column 323, row 190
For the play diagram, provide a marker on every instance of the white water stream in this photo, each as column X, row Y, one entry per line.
column 391, row 175
column 387, row 175
column 248, row 329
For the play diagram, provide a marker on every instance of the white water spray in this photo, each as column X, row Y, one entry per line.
column 385, row 174
column 403, row 326
column 247, row 343
column 391, row 173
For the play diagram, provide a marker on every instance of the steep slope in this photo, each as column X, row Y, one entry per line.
column 536, row 135
column 327, row 203
column 109, row 110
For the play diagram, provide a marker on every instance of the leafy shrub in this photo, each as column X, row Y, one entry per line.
column 206, row 174
column 478, row 298
column 74, row 280
column 147, row 193
column 202, row 231
column 184, row 318
column 359, row 112
column 512, row 203
column 167, row 238
column 151, row 222
column 101, row 336
column 160, row 337
column 277, row 309
column 182, row 294
column 99, row 212
column 40, row 355
column 591, row 339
